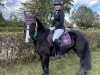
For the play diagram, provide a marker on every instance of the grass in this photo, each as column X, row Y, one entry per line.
column 68, row 65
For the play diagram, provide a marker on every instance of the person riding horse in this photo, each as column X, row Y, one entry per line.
column 57, row 27
column 43, row 44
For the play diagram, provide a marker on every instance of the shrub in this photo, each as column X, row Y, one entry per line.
column 13, row 47
column 93, row 37
column 11, row 29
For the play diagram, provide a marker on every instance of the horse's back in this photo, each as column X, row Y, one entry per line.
column 78, row 34
column 80, row 38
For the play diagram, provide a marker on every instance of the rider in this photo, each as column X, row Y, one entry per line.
column 58, row 27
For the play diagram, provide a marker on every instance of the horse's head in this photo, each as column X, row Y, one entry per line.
column 30, row 24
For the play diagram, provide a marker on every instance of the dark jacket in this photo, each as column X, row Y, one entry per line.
column 58, row 20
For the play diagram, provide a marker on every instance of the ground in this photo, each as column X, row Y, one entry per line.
column 67, row 65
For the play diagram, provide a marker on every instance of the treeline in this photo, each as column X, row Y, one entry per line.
column 82, row 17
column 85, row 17
column 12, row 22
column 45, row 8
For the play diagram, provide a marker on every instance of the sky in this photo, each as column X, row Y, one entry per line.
column 11, row 6
column 93, row 4
column 14, row 5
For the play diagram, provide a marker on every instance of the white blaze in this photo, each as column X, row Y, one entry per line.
column 27, row 35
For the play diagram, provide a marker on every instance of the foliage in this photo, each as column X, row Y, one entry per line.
column 45, row 8
column 13, row 43
column 11, row 29
column 93, row 37
column 14, row 21
column 96, row 23
column 2, row 21
column 12, row 46
column 85, row 17
column 22, row 53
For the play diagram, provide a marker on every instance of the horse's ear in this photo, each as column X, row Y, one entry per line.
column 36, row 14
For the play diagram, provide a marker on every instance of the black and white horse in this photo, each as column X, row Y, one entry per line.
column 38, row 33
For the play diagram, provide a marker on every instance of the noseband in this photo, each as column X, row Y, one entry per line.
column 36, row 28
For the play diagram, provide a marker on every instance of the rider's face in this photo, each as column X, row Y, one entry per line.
column 57, row 7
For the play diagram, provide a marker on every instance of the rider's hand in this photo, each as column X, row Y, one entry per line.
column 52, row 28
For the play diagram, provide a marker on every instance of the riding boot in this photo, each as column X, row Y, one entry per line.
column 57, row 50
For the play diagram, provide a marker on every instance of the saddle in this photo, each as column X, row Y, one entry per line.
column 64, row 40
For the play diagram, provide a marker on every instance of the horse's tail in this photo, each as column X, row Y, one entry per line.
column 83, row 42
column 87, row 58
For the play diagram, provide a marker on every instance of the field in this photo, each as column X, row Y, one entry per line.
column 67, row 65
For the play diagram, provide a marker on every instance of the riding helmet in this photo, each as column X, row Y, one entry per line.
column 57, row 2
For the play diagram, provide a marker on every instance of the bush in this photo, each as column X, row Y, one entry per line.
column 93, row 37
column 13, row 47
column 11, row 29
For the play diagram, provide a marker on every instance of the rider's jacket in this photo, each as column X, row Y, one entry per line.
column 58, row 20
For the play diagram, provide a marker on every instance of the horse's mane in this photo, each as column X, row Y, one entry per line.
column 40, row 25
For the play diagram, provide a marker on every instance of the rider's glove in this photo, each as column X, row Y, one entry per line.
column 52, row 28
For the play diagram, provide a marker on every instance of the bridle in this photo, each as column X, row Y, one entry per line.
column 36, row 28
column 35, row 34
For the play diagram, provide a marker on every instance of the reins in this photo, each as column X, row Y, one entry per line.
column 36, row 28
column 35, row 34
column 41, row 37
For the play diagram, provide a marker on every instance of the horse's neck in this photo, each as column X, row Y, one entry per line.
column 43, row 33
column 42, row 28
column 40, row 41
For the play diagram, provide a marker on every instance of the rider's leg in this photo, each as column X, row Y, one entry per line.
column 56, row 36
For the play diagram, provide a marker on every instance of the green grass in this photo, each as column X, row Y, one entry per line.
column 68, row 65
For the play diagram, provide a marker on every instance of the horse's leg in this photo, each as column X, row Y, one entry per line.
column 45, row 64
column 85, row 62
column 80, row 55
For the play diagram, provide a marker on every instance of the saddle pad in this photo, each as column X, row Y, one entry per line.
column 64, row 39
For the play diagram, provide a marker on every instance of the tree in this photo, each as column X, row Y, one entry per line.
column 96, row 23
column 14, row 21
column 84, row 17
column 45, row 8
column 2, row 20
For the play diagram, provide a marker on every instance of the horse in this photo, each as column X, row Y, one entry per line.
column 79, row 44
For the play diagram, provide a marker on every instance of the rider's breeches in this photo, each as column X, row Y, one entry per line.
column 57, row 34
